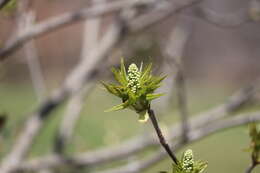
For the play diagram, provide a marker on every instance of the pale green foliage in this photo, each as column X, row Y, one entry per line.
column 188, row 165
column 254, row 148
column 136, row 88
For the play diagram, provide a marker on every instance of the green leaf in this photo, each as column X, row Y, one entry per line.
column 176, row 168
column 153, row 96
column 123, row 70
column 146, row 73
column 119, row 77
column 110, row 88
column 157, row 80
column 118, row 107
column 200, row 166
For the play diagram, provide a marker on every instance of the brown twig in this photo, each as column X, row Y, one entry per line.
column 160, row 135
column 250, row 169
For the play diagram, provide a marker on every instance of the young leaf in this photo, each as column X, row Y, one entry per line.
column 118, row 107
column 110, row 88
column 119, row 77
column 146, row 73
column 153, row 96
column 123, row 70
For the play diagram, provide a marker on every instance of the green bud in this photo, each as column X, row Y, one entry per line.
column 188, row 161
column 133, row 78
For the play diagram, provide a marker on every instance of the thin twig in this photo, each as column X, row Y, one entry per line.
column 74, row 82
column 160, row 135
column 250, row 169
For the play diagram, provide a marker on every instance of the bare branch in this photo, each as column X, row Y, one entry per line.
column 74, row 82
column 90, row 41
column 157, row 15
column 32, row 59
column 174, row 52
column 64, row 20
column 97, row 10
column 160, row 136
column 230, row 20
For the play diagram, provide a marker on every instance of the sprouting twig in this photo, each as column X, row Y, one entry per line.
column 160, row 135
column 140, row 142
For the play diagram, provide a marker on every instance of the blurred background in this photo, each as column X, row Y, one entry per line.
column 216, row 60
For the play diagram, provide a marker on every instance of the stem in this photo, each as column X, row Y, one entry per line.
column 160, row 135
column 250, row 169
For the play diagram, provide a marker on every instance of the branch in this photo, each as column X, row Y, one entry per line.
column 97, row 10
column 74, row 82
column 139, row 143
column 250, row 169
column 230, row 20
column 160, row 136
column 74, row 107
column 32, row 58
column 64, row 20
column 193, row 135
column 174, row 55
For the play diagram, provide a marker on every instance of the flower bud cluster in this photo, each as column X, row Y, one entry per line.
column 133, row 78
column 188, row 161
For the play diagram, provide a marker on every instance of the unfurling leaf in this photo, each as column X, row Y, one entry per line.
column 188, row 165
column 135, row 88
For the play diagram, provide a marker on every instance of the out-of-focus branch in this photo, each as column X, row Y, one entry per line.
column 97, row 10
column 233, row 19
column 74, row 82
column 174, row 56
column 64, row 20
column 139, row 143
column 32, row 58
column 90, row 41
column 3, row 3
column 157, row 15
column 193, row 135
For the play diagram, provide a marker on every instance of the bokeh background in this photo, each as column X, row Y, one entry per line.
column 216, row 60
